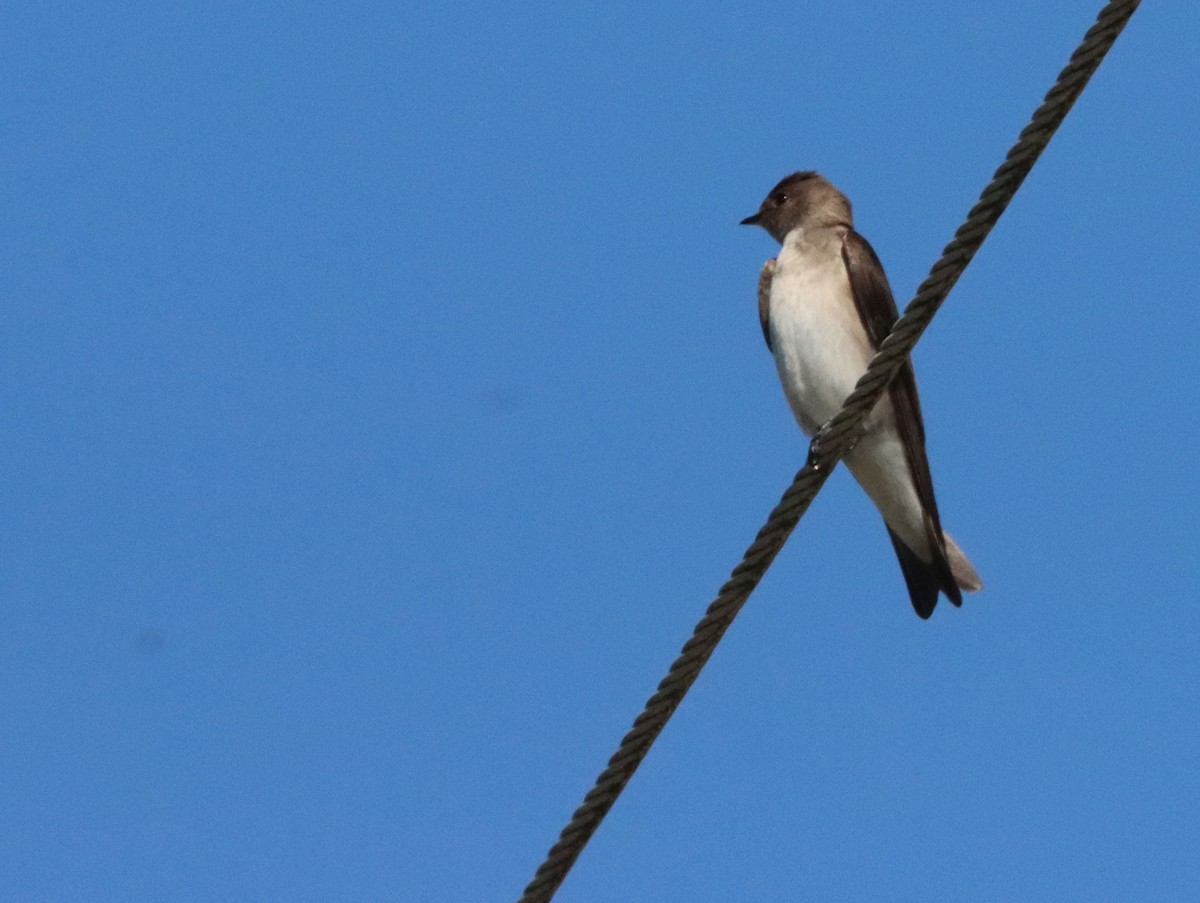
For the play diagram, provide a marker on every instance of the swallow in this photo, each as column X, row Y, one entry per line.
column 825, row 306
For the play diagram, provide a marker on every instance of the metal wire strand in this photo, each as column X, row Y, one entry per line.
column 827, row 448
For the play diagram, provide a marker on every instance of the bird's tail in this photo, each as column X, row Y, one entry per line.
column 944, row 574
column 961, row 569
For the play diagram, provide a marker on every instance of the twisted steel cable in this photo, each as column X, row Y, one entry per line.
column 827, row 448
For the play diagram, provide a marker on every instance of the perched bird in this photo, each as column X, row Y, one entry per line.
column 825, row 305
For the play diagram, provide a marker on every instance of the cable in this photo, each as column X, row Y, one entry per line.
column 827, row 448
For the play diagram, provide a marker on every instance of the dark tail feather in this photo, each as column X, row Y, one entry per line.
column 925, row 579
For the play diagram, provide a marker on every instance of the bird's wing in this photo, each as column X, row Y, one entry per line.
column 877, row 310
column 765, row 276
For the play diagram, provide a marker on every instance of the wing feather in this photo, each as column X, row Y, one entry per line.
column 765, row 276
column 877, row 310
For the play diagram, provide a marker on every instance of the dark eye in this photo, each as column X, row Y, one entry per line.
column 779, row 199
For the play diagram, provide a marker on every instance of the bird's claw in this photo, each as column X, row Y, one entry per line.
column 818, row 448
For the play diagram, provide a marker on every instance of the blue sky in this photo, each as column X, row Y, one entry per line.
column 384, row 401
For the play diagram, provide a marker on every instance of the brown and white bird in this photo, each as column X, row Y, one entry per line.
column 825, row 305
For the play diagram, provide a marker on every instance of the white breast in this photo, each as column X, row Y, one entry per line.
column 819, row 343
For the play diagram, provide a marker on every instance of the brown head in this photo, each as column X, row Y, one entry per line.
column 802, row 199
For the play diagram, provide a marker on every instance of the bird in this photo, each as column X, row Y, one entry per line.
column 825, row 306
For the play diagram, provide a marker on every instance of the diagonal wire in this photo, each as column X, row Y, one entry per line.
column 827, row 448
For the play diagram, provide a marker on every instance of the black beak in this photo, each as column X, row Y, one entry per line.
column 751, row 220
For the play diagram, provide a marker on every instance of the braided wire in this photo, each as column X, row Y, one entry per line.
column 827, row 448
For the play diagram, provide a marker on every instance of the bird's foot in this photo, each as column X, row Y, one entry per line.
column 822, row 443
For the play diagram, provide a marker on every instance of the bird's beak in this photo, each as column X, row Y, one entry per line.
column 751, row 220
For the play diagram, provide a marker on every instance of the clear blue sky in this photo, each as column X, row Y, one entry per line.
column 384, row 400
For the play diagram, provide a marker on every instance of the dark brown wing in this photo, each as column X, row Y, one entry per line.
column 877, row 310
column 765, row 275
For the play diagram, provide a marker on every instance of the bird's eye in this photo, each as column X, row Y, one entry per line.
column 779, row 199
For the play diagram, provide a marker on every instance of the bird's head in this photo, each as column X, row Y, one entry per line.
column 802, row 199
